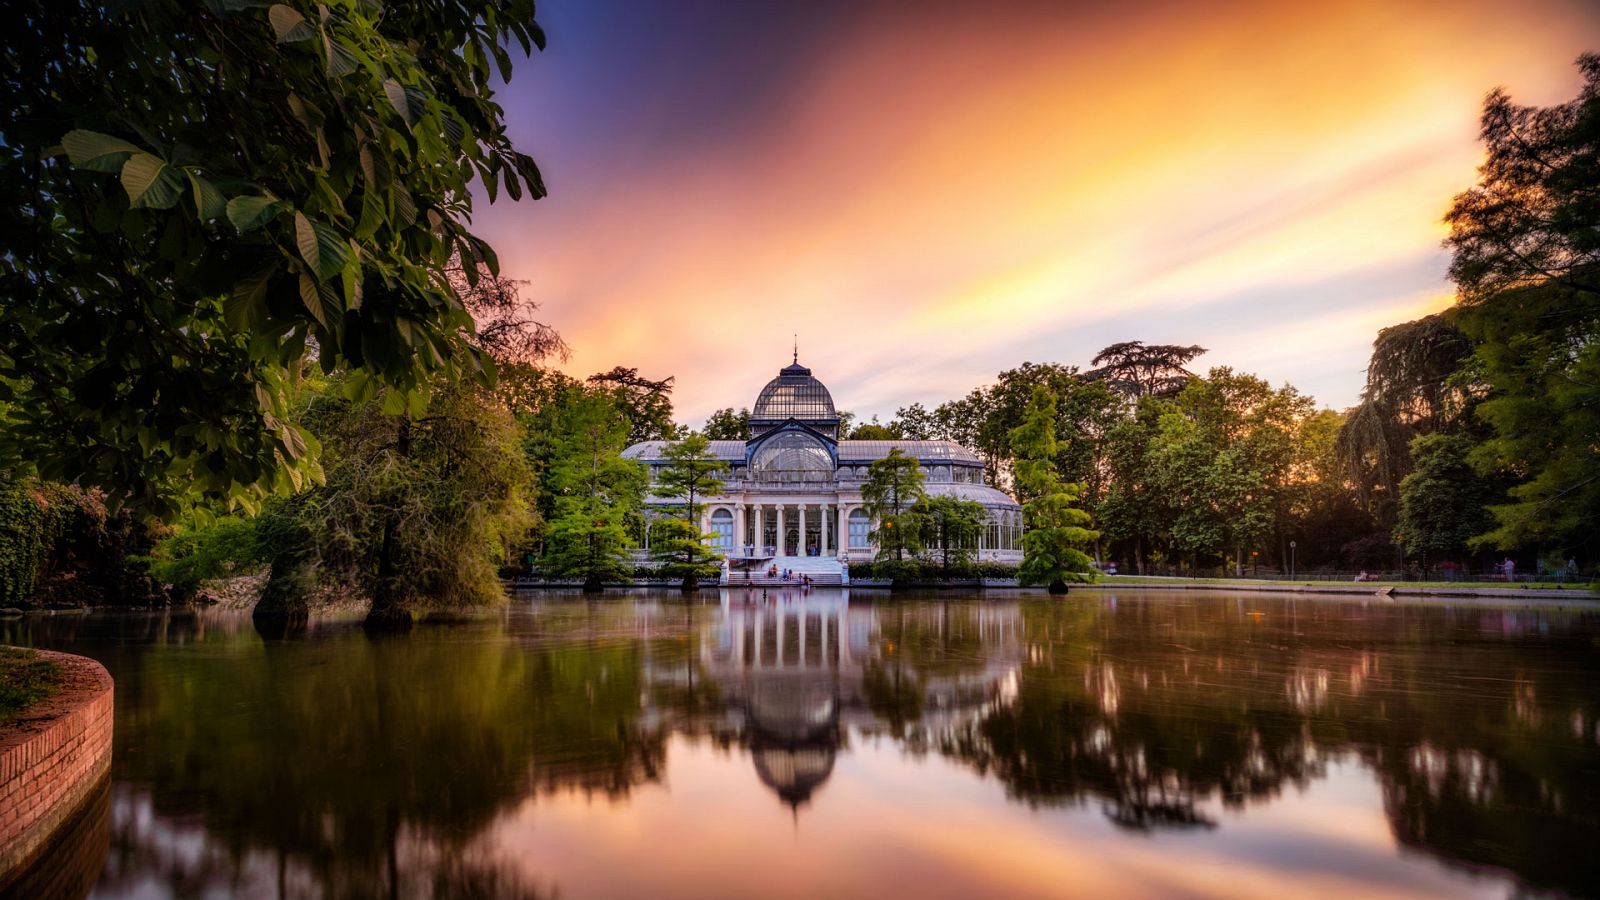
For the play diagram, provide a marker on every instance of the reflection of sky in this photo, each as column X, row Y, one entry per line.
column 930, row 828
column 988, row 183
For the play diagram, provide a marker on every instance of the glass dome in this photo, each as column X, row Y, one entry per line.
column 791, row 457
column 794, row 394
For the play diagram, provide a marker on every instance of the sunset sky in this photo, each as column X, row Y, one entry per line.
column 928, row 193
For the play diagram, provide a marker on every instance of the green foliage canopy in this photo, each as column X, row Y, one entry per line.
column 1443, row 502
column 891, row 492
column 596, row 493
column 1526, row 242
column 196, row 198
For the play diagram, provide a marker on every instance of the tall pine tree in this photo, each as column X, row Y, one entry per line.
column 1053, row 523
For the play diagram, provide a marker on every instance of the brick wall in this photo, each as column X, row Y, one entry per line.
column 53, row 762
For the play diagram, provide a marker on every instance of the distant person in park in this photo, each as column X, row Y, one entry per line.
column 1510, row 566
column 1363, row 576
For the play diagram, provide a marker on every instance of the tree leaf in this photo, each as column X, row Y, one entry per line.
column 247, row 304
column 404, row 206
column 341, row 61
column 311, row 296
column 248, row 213
column 320, row 246
column 150, row 182
column 288, row 24
column 208, row 201
column 95, row 151
column 397, row 99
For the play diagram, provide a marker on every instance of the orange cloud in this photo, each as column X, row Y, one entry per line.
column 946, row 195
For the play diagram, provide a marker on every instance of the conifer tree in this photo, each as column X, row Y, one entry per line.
column 1053, row 524
column 678, row 542
column 595, row 492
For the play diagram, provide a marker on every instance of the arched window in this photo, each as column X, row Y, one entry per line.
column 722, row 527
column 860, row 527
column 939, row 473
column 792, row 457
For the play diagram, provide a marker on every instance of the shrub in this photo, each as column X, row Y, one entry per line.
column 225, row 547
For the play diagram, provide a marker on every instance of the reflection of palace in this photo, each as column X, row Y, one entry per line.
column 796, row 673
column 792, row 496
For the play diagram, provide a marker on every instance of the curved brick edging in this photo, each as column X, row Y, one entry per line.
column 52, row 760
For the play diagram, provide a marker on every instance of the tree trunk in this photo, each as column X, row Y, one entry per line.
column 1138, row 554
column 389, row 610
column 593, row 585
column 1058, row 587
column 1238, row 561
column 691, row 583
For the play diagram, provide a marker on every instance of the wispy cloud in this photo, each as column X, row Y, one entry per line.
column 926, row 199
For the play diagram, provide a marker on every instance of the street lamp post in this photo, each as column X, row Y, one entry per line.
column 1291, row 560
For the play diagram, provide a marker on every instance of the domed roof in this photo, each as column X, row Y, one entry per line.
column 794, row 773
column 794, row 394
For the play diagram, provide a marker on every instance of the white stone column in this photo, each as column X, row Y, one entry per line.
column 777, row 533
column 738, row 529
column 844, row 530
column 758, row 539
column 822, row 515
column 800, row 549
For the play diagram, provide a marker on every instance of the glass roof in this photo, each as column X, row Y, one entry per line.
column 731, row 451
column 794, row 394
column 927, row 451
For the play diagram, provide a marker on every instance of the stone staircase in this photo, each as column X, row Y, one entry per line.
column 825, row 571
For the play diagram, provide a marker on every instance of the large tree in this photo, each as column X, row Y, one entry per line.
column 1443, row 502
column 596, row 492
column 1532, row 218
column 1415, row 385
column 1136, row 509
column 728, row 424
column 1226, row 457
column 893, row 487
column 678, row 542
column 645, row 402
column 198, row 198
column 417, row 512
column 1527, row 262
column 950, row 527
column 1054, row 526
column 1138, row 369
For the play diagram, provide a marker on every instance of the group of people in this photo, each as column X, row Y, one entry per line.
column 789, row 575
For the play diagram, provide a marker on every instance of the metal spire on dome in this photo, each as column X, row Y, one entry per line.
column 797, row 349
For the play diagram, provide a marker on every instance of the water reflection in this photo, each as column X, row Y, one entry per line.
column 448, row 762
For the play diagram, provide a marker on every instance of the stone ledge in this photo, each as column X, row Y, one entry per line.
column 52, row 759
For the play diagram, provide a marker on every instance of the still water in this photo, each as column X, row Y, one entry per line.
column 1109, row 745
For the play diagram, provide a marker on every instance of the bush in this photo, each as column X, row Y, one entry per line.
column 922, row 570
column 31, row 519
column 223, row 548
column 60, row 545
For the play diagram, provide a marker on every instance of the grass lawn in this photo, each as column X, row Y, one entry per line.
column 1518, row 586
column 25, row 679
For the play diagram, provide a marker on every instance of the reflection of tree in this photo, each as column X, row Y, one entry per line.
column 1484, row 757
column 365, row 761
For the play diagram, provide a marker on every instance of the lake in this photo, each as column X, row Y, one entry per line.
column 1110, row 744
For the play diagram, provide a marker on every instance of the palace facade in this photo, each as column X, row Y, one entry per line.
column 792, row 496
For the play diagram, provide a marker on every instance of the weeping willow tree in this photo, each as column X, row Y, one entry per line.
column 1416, row 384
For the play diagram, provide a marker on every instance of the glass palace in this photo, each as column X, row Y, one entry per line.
column 792, row 494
